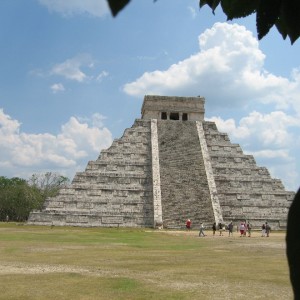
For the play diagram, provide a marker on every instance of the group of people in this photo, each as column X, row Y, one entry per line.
column 244, row 228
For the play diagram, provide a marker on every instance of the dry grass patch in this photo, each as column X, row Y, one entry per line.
column 98, row 263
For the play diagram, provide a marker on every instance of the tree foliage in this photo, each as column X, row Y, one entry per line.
column 284, row 14
column 19, row 197
column 48, row 184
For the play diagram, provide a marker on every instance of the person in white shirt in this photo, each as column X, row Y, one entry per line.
column 201, row 233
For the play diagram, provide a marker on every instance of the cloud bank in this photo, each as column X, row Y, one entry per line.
column 81, row 68
column 229, row 67
column 66, row 152
column 68, row 8
column 71, row 68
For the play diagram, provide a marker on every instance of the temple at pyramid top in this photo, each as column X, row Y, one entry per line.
column 170, row 166
column 173, row 108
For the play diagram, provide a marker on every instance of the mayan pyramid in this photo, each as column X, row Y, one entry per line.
column 171, row 165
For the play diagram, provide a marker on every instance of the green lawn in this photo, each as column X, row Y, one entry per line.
column 108, row 263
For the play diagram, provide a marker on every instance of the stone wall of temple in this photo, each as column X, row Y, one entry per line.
column 246, row 191
column 115, row 190
column 153, row 106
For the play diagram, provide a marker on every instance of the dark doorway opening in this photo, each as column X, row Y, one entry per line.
column 164, row 116
column 174, row 116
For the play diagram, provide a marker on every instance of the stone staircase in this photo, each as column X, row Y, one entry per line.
column 184, row 186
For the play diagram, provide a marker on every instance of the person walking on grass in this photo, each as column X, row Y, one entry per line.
column 263, row 230
column 214, row 228
column 245, row 229
column 268, row 229
column 220, row 228
column 249, row 227
column 188, row 224
column 201, row 232
column 242, row 229
column 230, row 229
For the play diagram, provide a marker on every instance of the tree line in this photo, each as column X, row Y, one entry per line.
column 18, row 197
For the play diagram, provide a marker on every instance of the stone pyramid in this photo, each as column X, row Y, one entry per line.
column 171, row 165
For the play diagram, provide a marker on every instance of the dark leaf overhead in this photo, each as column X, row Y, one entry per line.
column 238, row 9
column 284, row 14
column 117, row 5
column 267, row 15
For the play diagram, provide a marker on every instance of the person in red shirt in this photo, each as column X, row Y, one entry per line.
column 188, row 224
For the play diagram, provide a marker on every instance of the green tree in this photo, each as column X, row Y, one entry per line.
column 48, row 184
column 17, row 199
column 284, row 14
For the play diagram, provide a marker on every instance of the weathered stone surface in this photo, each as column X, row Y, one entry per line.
column 171, row 165
column 246, row 191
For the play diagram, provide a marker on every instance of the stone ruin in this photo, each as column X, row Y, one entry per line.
column 171, row 165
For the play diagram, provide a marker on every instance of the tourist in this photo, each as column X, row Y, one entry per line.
column 242, row 229
column 201, row 230
column 249, row 227
column 188, row 224
column 245, row 230
column 268, row 229
column 263, row 230
column 230, row 229
column 7, row 218
column 220, row 228
column 214, row 228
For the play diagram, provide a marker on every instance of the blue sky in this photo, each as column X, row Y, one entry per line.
column 73, row 78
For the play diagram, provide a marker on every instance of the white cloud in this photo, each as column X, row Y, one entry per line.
column 270, row 130
column 273, row 154
column 8, row 125
column 64, row 152
column 85, row 137
column 57, row 87
column 192, row 11
column 67, row 8
column 72, row 68
column 228, row 67
column 102, row 75
column 80, row 68
column 97, row 120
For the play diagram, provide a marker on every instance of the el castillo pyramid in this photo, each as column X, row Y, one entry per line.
column 171, row 165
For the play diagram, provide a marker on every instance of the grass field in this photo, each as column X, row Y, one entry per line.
column 97, row 263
